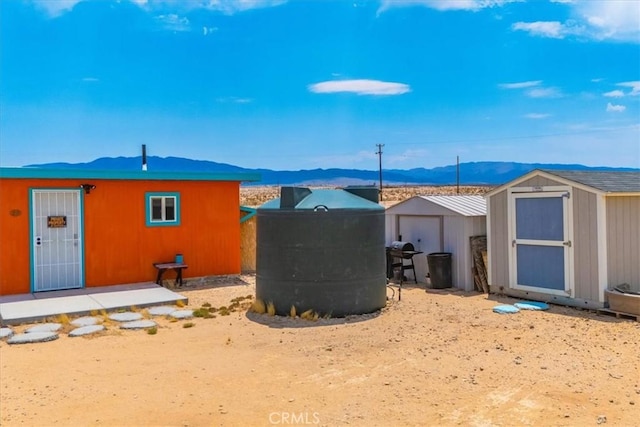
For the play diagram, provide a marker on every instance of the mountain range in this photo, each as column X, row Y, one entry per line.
column 472, row 173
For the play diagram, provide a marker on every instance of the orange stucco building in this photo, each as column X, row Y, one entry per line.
column 65, row 229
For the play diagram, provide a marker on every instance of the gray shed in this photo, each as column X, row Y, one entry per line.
column 564, row 236
column 439, row 224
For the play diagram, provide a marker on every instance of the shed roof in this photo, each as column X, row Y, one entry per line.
column 463, row 205
column 31, row 173
column 609, row 182
column 456, row 204
column 602, row 182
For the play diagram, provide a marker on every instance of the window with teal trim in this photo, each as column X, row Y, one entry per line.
column 162, row 209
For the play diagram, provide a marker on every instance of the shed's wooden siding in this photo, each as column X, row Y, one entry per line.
column 623, row 240
column 585, row 245
column 538, row 181
column 119, row 247
column 499, row 240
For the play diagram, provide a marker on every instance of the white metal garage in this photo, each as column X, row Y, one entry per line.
column 439, row 224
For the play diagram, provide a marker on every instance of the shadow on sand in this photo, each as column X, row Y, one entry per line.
column 290, row 322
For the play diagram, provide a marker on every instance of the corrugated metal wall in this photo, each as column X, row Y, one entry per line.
column 457, row 230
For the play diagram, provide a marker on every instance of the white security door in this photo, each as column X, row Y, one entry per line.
column 541, row 242
column 57, row 240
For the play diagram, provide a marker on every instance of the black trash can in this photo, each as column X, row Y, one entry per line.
column 440, row 269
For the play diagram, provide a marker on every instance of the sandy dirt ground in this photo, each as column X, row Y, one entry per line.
column 437, row 357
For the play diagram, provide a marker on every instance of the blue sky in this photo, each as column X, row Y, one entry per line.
column 308, row 84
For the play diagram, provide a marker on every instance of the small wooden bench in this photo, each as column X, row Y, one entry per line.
column 164, row 266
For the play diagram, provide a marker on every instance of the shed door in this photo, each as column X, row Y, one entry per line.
column 57, row 240
column 541, row 242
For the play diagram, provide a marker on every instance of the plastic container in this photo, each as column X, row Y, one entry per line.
column 440, row 269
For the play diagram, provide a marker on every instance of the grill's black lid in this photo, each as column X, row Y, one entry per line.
column 402, row 246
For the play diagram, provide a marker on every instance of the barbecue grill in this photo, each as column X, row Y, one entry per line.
column 397, row 253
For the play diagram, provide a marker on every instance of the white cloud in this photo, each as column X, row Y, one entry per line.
column 553, row 29
column 55, row 8
column 534, row 89
column 595, row 19
column 401, row 159
column 209, row 30
column 173, row 22
column 612, row 108
column 471, row 5
column 228, row 7
column 614, row 94
column 536, row 116
column 611, row 19
column 520, row 85
column 635, row 87
column 347, row 160
column 360, row 87
column 544, row 92
column 234, row 100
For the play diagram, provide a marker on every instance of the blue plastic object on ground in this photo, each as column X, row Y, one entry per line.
column 505, row 309
column 532, row 305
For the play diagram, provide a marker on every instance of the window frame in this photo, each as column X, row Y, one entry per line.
column 162, row 195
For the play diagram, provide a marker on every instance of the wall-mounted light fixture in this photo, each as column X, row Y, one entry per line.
column 87, row 188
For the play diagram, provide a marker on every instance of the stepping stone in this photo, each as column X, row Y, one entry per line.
column 5, row 332
column 32, row 337
column 127, row 316
column 532, row 305
column 138, row 324
column 85, row 321
column 162, row 310
column 86, row 330
column 505, row 309
column 182, row 314
column 44, row 327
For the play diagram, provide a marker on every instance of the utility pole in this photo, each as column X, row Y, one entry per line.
column 379, row 153
column 457, row 174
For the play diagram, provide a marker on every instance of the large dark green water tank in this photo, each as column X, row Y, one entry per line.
column 322, row 250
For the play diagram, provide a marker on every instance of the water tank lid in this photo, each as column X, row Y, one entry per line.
column 331, row 199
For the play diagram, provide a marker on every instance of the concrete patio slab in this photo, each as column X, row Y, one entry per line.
column 26, row 308
column 139, row 298
column 35, row 310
